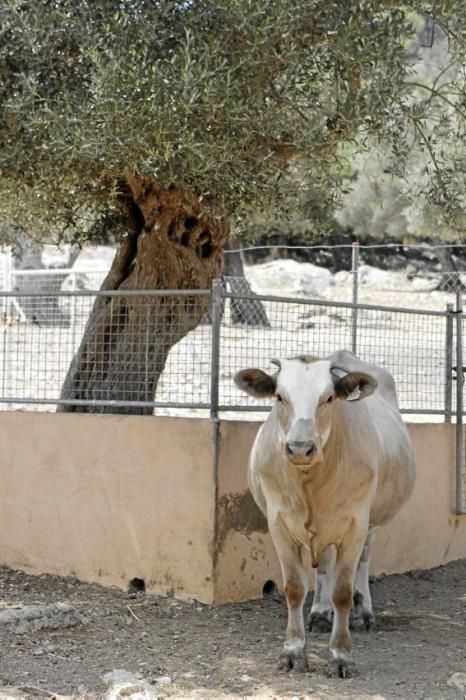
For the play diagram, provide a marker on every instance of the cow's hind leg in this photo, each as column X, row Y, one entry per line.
column 362, row 614
column 348, row 554
column 321, row 615
column 296, row 585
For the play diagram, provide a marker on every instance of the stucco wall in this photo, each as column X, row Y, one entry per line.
column 110, row 498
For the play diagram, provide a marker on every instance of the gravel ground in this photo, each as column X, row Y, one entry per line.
column 184, row 649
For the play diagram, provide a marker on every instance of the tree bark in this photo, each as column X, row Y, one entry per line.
column 250, row 312
column 450, row 280
column 175, row 243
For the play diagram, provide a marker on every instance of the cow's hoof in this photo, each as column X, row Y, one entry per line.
column 363, row 621
column 321, row 621
column 340, row 668
column 293, row 661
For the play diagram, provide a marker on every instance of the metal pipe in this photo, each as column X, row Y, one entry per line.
column 459, row 403
column 217, row 309
column 264, row 409
column 110, row 403
column 332, row 304
column 113, row 293
column 354, row 310
column 449, row 363
column 51, row 271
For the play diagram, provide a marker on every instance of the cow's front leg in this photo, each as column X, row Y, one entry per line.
column 348, row 554
column 321, row 615
column 296, row 586
column 362, row 614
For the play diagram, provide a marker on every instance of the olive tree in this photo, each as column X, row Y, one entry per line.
column 167, row 122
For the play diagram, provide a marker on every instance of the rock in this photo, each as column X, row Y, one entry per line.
column 31, row 618
column 245, row 678
column 382, row 279
column 124, row 684
column 289, row 277
column 343, row 278
column 458, row 680
column 120, row 676
column 163, row 680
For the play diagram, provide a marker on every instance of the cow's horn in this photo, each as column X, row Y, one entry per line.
column 339, row 372
column 276, row 362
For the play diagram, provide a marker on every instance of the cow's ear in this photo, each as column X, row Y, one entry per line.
column 256, row 383
column 354, row 385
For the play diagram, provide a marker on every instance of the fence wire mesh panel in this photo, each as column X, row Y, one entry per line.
column 149, row 348
column 408, row 343
column 102, row 348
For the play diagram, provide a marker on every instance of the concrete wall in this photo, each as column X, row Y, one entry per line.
column 110, row 498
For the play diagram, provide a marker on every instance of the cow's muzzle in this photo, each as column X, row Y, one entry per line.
column 301, row 452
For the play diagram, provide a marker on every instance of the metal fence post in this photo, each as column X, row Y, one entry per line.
column 217, row 308
column 449, row 363
column 459, row 402
column 7, row 281
column 354, row 312
column 73, row 310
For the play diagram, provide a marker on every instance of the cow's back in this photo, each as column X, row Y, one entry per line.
column 376, row 437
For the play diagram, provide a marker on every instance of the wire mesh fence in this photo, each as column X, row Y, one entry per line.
column 167, row 349
column 411, row 344
column 113, row 350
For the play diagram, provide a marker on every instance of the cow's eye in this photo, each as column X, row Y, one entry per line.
column 330, row 399
column 279, row 397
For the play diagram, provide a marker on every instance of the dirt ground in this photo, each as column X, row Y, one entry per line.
column 185, row 649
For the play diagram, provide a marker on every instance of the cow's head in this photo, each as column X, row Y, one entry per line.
column 306, row 391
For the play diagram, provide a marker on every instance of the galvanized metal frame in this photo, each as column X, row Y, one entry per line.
column 460, row 453
column 218, row 296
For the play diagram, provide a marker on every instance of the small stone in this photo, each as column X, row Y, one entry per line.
column 163, row 680
column 458, row 680
column 245, row 678
column 38, row 652
column 189, row 674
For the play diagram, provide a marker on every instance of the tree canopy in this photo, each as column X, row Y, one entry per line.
column 248, row 104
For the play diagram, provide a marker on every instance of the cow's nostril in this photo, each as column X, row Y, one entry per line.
column 310, row 450
column 289, row 451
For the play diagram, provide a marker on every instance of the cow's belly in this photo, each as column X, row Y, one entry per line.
column 395, row 484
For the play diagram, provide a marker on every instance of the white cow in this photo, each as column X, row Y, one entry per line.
column 327, row 469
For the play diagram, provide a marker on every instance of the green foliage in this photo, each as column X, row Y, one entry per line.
column 245, row 102
column 420, row 193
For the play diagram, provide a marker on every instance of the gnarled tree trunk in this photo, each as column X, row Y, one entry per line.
column 250, row 312
column 175, row 244
column 450, row 280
